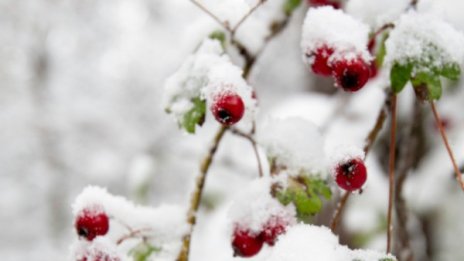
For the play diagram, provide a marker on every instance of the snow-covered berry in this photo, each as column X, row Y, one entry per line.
column 351, row 74
column 351, row 175
column 320, row 65
column 246, row 243
column 228, row 109
column 272, row 229
column 92, row 222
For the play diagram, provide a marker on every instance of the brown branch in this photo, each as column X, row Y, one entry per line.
column 457, row 171
column 382, row 116
column 225, row 24
column 197, row 193
column 391, row 170
column 245, row 17
column 408, row 153
column 338, row 211
column 132, row 234
column 370, row 139
column 250, row 138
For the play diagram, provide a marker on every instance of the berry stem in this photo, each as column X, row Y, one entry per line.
column 391, row 171
column 132, row 234
column 250, row 138
column 340, row 206
column 197, row 193
column 381, row 117
column 457, row 171
column 370, row 139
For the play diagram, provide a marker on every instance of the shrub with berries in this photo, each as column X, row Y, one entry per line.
column 308, row 168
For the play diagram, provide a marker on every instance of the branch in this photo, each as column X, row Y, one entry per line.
column 245, row 17
column 225, row 24
column 370, row 139
column 408, row 154
column 391, row 171
column 382, row 116
column 340, row 206
column 457, row 171
column 197, row 193
column 250, row 138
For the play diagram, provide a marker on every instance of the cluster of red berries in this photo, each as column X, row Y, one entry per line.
column 349, row 74
column 246, row 243
column 228, row 108
column 351, row 175
column 317, row 3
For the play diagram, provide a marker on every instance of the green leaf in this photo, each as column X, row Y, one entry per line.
column 400, row 75
column 306, row 206
column 291, row 5
column 451, row 71
column 195, row 116
column 431, row 81
column 387, row 259
column 220, row 36
column 381, row 52
column 142, row 251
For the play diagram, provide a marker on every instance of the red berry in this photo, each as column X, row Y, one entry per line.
column 351, row 75
column 92, row 222
column 351, row 175
column 272, row 229
column 320, row 64
column 317, row 3
column 245, row 243
column 228, row 109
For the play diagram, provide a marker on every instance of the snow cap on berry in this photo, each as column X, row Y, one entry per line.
column 164, row 224
column 343, row 153
column 417, row 36
column 310, row 242
column 326, row 26
column 294, row 143
column 254, row 208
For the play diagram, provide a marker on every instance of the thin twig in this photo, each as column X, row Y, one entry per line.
column 197, row 193
column 245, row 17
column 372, row 136
column 132, row 234
column 250, row 138
column 457, row 171
column 391, row 170
column 338, row 211
column 225, row 24
column 370, row 139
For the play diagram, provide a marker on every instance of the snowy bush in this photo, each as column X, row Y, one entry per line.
column 273, row 130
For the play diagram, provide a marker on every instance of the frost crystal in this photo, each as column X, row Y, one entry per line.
column 325, row 26
column 425, row 39
column 294, row 143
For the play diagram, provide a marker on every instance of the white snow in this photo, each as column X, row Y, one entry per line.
column 101, row 248
column 164, row 225
column 294, row 143
column 255, row 206
column 309, row 242
column 377, row 13
column 424, row 38
column 204, row 75
column 333, row 28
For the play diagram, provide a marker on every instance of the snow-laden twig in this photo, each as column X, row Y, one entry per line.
column 245, row 17
column 251, row 139
column 198, row 191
